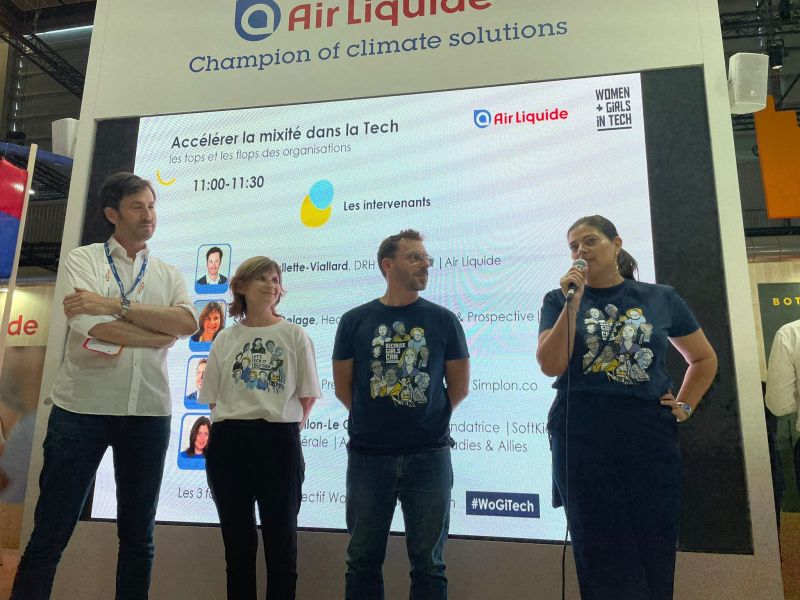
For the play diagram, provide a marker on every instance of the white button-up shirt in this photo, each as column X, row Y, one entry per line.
column 135, row 380
column 783, row 385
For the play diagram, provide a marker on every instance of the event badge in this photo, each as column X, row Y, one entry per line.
column 101, row 347
column 107, row 348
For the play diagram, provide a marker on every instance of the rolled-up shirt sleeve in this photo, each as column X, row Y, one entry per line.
column 81, row 272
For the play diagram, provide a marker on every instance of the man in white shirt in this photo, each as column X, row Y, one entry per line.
column 125, row 309
column 783, row 378
column 783, row 373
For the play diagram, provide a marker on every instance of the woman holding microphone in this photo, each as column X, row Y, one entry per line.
column 254, row 455
column 614, row 438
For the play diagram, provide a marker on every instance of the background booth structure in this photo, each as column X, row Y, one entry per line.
column 22, row 369
column 154, row 58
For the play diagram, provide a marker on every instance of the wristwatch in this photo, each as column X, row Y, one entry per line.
column 125, row 304
column 687, row 408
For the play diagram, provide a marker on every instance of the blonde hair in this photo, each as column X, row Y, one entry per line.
column 248, row 270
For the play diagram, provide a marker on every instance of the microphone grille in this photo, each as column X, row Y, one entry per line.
column 579, row 264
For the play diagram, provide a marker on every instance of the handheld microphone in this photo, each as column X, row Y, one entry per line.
column 579, row 264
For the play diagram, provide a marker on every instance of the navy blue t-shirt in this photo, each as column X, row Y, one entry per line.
column 621, row 338
column 400, row 403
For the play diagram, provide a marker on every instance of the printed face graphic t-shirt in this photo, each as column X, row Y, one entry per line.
column 621, row 338
column 400, row 402
column 260, row 373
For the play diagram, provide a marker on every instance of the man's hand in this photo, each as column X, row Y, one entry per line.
column 84, row 302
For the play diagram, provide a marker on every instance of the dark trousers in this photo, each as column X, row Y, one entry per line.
column 251, row 463
column 74, row 445
column 422, row 483
column 617, row 467
column 796, row 464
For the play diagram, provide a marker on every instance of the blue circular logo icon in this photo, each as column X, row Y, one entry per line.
column 482, row 118
column 256, row 20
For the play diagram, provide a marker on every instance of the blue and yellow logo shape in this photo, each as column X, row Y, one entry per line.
column 256, row 20
column 316, row 208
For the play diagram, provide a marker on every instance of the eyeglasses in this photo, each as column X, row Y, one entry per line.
column 417, row 257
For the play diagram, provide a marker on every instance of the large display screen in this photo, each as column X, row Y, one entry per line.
column 492, row 177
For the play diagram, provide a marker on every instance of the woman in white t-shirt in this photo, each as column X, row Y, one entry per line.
column 254, row 452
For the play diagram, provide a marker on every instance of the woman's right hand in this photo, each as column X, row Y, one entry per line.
column 573, row 276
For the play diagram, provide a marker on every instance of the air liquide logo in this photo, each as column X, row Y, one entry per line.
column 316, row 208
column 256, row 20
column 483, row 118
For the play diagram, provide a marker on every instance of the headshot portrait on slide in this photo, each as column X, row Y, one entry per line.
column 195, row 370
column 212, row 321
column 195, row 430
column 213, row 264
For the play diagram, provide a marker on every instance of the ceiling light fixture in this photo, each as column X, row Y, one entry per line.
column 776, row 56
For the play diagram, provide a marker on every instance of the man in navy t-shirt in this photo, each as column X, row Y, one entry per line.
column 400, row 398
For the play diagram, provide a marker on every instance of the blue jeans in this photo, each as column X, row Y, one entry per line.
column 422, row 482
column 74, row 445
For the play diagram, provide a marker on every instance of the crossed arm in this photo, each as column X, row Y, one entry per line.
column 144, row 325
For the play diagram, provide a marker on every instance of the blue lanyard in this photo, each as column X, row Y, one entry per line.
column 116, row 275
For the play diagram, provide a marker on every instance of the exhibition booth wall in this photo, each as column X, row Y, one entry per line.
column 490, row 127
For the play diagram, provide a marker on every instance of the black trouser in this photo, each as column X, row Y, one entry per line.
column 73, row 448
column 617, row 466
column 797, row 464
column 257, row 462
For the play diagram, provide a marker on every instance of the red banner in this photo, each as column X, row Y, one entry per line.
column 12, row 197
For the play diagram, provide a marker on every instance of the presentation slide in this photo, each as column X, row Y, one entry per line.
column 492, row 177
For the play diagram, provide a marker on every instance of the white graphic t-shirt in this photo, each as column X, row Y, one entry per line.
column 260, row 373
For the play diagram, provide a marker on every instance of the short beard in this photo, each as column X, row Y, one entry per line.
column 415, row 285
